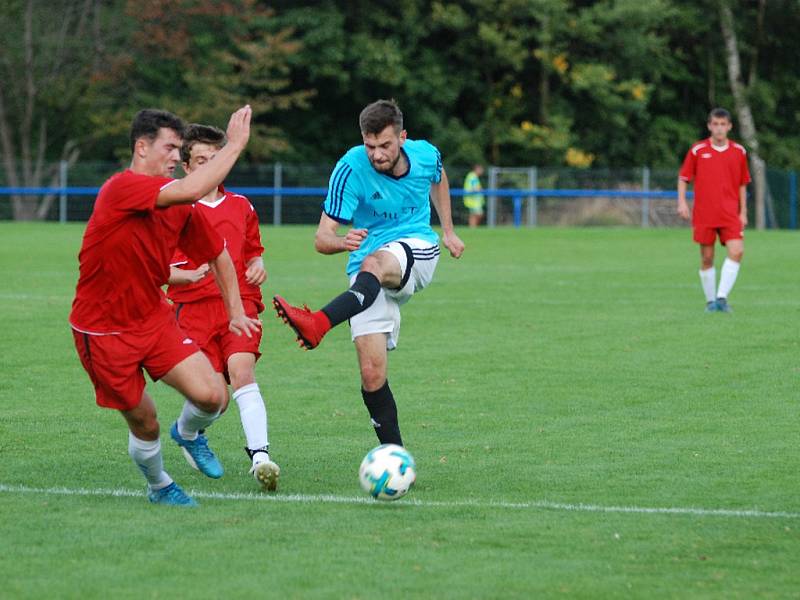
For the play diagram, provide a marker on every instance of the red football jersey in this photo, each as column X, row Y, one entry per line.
column 718, row 174
column 126, row 250
column 235, row 219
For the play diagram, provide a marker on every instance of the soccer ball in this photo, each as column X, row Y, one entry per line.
column 387, row 472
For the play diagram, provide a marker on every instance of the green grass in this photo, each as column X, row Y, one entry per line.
column 574, row 367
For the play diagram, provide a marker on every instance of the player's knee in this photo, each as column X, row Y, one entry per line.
column 370, row 264
column 145, row 427
column 372, row 376
column 736, row 255
column 241, row 376
column 211, row 399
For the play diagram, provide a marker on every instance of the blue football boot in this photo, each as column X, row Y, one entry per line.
column 172, row 495
column 723, row 306
column 197, row 453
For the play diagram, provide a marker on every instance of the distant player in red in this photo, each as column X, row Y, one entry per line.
column 199, row 307
column 121, row 320
column 718, row 167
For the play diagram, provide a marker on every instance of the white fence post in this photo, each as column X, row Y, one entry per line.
column 533, row 208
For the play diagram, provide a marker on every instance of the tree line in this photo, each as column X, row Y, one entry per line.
column 579, row 83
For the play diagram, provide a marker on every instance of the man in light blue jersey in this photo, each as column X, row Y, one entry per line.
column 384, row 188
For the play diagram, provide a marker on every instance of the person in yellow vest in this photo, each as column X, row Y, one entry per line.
column 474, row 202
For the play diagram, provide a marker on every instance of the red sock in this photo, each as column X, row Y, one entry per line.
column 322, row 320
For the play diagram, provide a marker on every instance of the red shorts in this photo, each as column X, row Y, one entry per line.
column 115, row 362
column 206, row 322
column 708, row 235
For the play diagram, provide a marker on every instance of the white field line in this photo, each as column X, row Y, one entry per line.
column 330, row 499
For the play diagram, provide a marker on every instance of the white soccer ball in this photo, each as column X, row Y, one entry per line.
column 387, row 472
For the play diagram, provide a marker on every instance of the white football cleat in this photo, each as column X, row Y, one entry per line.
column 266, row 473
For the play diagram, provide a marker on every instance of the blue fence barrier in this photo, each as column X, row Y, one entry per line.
column 516, row 195
column 318, row 191
column 291, row 193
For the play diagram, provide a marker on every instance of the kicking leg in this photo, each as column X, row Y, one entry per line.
column 380, row 269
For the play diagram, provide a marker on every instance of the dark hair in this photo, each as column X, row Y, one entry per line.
column 719, row 113
column 379, row 115
column 196, row 133
column 147, row 122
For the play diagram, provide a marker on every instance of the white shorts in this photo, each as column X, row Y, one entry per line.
column 418, row 259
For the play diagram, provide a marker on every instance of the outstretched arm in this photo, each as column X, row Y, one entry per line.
column 327, row 240
column 225, row 273
column 440, row 196
column 206, row 178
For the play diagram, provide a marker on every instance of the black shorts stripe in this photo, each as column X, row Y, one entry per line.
column 423, row 255
column 409, row 264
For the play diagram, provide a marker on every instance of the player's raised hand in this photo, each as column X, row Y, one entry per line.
column 353, row 239
column 255, row 274
column 454, row 244
column 244, row 325
column 239, row 127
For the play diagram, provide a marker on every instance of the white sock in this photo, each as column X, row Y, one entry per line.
column 254, row 417
column 708, row 279
column 147, row 456
column 193, row 419
column 728, row 273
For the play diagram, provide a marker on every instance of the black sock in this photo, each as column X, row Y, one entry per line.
column 359, row 297
column 383, row 410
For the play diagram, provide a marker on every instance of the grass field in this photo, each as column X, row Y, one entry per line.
column 581, row 429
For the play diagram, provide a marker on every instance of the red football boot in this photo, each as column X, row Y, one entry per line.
column 310, row 327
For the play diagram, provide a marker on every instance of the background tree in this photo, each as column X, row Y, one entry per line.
column 609, row 83
column 51, row 53
column 201, row 59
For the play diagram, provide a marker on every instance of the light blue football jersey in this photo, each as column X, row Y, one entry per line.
column 389, row 208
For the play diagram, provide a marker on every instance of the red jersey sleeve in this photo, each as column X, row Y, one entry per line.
column 198, row 240
column 178, row 259
column 687, row 171
column 134, row 192
column 252, row 244
column 745, row 171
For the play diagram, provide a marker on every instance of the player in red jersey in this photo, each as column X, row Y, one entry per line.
column 121, row 319
column 718, row 167
column 199, row 308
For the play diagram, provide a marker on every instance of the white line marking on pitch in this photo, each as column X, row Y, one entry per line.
column 329, row 499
